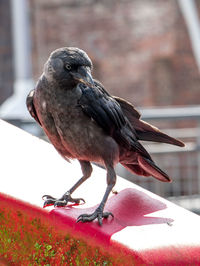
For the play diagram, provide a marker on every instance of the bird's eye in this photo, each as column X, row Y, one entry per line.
column 68, row 67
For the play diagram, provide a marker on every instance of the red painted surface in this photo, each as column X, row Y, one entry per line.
column 55, row 225
column 172, row 256
column 129, row 208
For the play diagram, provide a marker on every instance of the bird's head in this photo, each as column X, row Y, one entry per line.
column 69, row 66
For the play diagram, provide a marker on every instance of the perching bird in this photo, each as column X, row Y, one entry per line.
column 83, row 121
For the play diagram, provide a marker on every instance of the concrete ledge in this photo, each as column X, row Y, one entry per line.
column 159, row 232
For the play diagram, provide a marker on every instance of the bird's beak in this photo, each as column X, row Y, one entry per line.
column 83, row 75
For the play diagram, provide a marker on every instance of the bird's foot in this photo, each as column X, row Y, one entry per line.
column 63, row 201
column 97, row 214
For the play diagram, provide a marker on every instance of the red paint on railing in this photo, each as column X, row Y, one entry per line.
column 129, row 208
column 31, row 234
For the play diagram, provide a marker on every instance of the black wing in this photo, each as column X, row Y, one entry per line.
column 107, row 113
column 100, row 106
column 31, row 107
column 144, row 130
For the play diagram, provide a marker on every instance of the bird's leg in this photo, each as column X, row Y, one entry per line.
column 98, row 213
column 63, row 201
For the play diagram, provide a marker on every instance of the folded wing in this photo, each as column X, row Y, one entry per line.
column 31, row 107
column 144, row 130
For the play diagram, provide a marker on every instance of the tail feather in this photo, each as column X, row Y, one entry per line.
column 159, row 137
column 153, row 170
column 136, row 169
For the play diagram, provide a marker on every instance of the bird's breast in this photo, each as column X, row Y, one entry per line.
column 78, row 133
column 83, row 137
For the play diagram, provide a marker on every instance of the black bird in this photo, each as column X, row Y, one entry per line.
column 83, row 121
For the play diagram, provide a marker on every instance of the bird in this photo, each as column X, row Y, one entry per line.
column 84, row 122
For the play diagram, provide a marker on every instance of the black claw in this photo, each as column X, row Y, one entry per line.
column 48, row 203
column 60, row 203
column 107, row 214
column 77, row 201
column 100, row 219
column 78, row 220
column 95, row 215
column 49, row 200
column 46, row 197
column 81, row 200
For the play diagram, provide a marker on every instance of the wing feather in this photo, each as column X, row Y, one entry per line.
column 102, row 108
column 31, row 107
column 107, row 113
column 144, row 130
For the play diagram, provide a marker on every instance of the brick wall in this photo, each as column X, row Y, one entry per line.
column 140, row 49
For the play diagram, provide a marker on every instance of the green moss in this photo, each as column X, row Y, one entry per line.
column 29, row 240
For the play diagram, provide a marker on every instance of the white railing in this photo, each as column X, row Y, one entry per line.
column 182, row 164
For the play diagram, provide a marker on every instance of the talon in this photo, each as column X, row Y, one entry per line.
column 48, row 203
column 95, row 215
column 46, row 197
column 99, row 219
column 60, row 203
column 81, row 200
column 107, row 214
column 77, row 201
column 49, row 200
column 78, row 220
column 80, row 217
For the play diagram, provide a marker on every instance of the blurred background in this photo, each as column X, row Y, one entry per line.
column 147, row 52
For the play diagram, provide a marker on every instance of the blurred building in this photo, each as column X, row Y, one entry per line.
column 140, row 49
